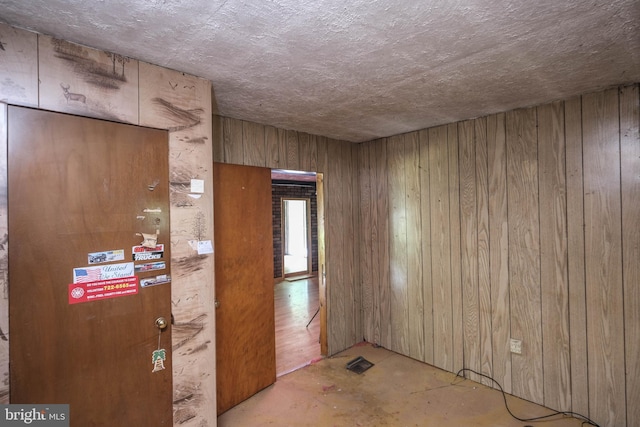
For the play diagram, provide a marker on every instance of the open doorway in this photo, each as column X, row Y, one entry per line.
column 296, row 252
column 296, row 236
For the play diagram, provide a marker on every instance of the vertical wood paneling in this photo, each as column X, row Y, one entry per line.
column 292, row 146
column 603, row 247
column 499, row 249
column 420, row 320
column 524, row 252
column 350, row 244
column 424, row 234
column 456, row 252
column 337, row 293
column 374, row 231
column 308, row 151
column 398, row 245
column 630, row 170
column 576, row 257
column 232, row 141
column 354, row 246
column 484, row 278
column 253, row 144
column 469, row 247
column 382, row 243
column 282, row 148
column 4, row 261
column 271, row 147
column 366, row 246
column 553, row 256
column 437, row 229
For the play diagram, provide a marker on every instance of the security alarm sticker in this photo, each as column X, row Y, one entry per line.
column 102, row 289
column 106, row 256
column 140, row 268
column 152, row 281
column 102, row 272
column 142, row 253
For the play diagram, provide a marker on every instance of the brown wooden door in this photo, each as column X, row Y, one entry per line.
column 80, row 186
column 245, row 318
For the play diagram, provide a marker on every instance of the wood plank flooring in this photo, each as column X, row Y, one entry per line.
column 295, row 304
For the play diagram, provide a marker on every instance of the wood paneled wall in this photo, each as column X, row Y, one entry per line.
column 516, row 225
column 35, row 70
column 246, row 143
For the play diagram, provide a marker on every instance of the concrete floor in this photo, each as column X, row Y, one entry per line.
column 397, row 391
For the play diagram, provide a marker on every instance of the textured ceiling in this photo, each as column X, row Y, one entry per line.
column 361, row 69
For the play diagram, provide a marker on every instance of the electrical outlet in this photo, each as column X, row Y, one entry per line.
column 516, row 346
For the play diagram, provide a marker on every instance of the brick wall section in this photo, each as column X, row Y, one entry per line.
column 300, row 192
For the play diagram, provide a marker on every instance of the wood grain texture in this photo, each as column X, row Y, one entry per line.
column 337, row 292
column 398, row 245
column 350, row 245
column 88, row 82
column 245, row 362
column 271, row 147
column 456, row 254
column 190, row 156
column 308, row 151
column 216, row 126
column 381, row 245
column 603, row 249
column 630, row 167
column 322, row 259
column 499, row 249
column 292, row 150
column 366, row 246
column 4, row 260
column 469, row 247
column 189, row 150
column 426, row 246
column 524, row 252
column 85, row 180
column 232, row 141
column 419, row 297
column 434, row 150
column 553, row 256
column 373, row 236
column 484, row 276
column 253, row 143
column 576, row 256
column 295, row 305
column 18, row 66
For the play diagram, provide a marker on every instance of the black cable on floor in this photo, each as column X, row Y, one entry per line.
column 585, row 420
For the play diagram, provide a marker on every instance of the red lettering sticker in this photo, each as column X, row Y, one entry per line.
column 102, row 289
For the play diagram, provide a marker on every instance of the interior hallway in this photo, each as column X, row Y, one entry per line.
column 295, row 304
column 396, row 391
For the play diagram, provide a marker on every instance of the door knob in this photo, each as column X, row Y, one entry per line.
column 216, row 303
column 161, row 323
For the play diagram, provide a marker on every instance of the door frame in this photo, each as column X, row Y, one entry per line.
column 308, row 235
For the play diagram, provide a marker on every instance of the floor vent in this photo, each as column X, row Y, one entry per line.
column 359, row 365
